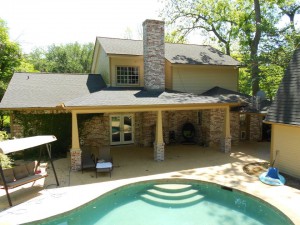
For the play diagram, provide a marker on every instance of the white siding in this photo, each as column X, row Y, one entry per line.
column 286, row 139
column 198, row 79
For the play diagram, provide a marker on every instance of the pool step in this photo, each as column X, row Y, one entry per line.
column 172, row 187
column 171, row 202
column 172, row 195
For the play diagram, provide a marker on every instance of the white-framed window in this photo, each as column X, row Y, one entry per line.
column 127, row 75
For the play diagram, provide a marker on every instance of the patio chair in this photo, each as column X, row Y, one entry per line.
column 104, row 162
column 87, row 159
column 105, row 154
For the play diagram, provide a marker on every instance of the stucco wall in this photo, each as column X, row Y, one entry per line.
column 198, row 79
column 286, row 140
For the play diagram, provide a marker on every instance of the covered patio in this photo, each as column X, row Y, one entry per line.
column 134, row 164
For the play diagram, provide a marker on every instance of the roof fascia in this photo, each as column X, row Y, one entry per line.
column 96, row 50
column 201, row 65
column 143, row 108
column 113, row 55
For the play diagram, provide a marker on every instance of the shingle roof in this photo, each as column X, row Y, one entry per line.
column 27, row 90
column 175, row 53
column 139, row 97
column 223, row 91
column 248, row 103
column 286, row 105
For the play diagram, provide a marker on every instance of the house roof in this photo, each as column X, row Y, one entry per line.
column 112, row 96
column 175, row 53
column 222, row 91
column 249, row 106
column 285, row 108
column 30, row 90
column 36, row 90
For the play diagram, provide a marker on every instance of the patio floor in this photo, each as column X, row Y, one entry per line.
column 132, row 164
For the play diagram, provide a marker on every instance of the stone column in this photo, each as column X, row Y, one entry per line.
column 159, row 145
column 226, row 139
column 75, row 151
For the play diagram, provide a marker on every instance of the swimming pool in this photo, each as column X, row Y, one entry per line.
column 173, row 202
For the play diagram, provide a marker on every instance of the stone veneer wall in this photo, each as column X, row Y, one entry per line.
column 235, row 128
column 154, row 55
column 95, row 131
column 255, row 127
column 209, row 130
column 213, row 125
column 217, row 117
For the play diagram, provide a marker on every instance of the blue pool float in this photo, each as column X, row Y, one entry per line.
column 272, row 177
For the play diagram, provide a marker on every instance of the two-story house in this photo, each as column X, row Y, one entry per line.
column 146, row 93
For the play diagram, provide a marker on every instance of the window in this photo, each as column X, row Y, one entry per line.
column 127, row 75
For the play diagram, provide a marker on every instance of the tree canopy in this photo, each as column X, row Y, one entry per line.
column 68, row 58
column 253, row 30
column 10, row 57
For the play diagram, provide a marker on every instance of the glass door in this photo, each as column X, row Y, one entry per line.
column 121, row 129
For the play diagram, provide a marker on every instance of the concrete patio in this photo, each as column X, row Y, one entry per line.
column 133, row 164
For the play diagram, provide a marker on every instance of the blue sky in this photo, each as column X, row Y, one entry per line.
column 38, row 23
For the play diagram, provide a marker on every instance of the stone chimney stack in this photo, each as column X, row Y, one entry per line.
column 154, row 55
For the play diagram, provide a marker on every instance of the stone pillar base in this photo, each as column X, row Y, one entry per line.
column 226, row 144
column 75, row 159
column 159, row 151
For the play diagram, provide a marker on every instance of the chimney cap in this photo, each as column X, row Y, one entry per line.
column 153, row 21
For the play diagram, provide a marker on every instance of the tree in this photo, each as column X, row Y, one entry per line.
column 68, row 58
column 10, row 57
column 252, row 27
column 175, row 37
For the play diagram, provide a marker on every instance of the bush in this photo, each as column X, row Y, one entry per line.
column 58, row 125
column 6, row 162
column 3, row 135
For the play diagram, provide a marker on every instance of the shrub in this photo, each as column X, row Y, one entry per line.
column 6, row 162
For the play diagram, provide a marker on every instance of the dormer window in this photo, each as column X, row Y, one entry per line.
column 127, row 75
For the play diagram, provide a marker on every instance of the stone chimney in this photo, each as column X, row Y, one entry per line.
column 154, row 55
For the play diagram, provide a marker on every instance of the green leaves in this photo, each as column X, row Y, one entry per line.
column 10, row 57
column 253, row 29
column 68, row 58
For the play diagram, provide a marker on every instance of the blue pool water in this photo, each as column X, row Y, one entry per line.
column 173, row 202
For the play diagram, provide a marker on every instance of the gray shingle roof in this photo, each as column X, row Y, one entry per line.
column 139, row 97
column 175, row 53
column 286, row 105
column 27, row 90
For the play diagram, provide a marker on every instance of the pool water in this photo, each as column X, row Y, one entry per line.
column 173, row 202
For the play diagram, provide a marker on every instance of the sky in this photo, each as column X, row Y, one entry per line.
column 39, row 23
